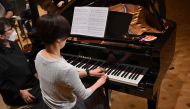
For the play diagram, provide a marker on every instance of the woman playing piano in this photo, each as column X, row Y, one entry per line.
column 60, row 81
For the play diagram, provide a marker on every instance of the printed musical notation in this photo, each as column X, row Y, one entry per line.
column 89, row 21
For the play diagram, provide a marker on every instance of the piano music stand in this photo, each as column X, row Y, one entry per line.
column 117, row 25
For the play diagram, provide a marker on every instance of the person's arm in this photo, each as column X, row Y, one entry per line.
column 9, row 9
column 82, row 73
column 73, row 80
column 6, row 86
column 98, row 83
column 97, row 72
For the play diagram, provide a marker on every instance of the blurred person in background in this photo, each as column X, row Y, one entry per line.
column 18, row 83
column 6, row 9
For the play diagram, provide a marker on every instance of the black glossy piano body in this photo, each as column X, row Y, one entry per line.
column 154, row 56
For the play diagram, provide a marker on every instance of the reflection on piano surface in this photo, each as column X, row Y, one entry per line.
column 138, row 24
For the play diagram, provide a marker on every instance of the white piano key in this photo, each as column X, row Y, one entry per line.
column 126, row 80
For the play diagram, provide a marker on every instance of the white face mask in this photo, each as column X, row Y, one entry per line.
column 13, row 36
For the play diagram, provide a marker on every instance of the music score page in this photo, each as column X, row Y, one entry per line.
column 89, row 21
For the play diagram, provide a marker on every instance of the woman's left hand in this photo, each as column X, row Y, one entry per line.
column 98, row 72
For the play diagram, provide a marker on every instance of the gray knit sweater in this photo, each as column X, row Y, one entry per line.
column 59, row 82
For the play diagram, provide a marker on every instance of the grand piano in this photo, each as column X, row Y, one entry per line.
column 136, row 60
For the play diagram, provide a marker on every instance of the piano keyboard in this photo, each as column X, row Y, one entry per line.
column 122, row 73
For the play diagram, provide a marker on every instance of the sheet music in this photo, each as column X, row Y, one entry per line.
column 89, row 21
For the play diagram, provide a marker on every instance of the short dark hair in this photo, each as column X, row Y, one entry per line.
column 52, row 27
column 5, row 21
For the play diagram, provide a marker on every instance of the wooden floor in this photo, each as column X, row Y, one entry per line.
column 175, row 88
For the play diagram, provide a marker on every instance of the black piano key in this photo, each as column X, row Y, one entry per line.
column 118, row 69
column 81, row 62
column 140, row 72
column 136, row 73
column 75, row 61
column 125, row 71
column 103, row 64
column 99, row 63
column 114, row 69
column 86, row 63
column 69, row 59
column 121, row 70
column 129, row 71
column 109, row 69
column 132, row 73
column 92, row 64
column 89, row 64
column 95, row 65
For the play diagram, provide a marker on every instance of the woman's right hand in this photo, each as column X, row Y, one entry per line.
column 102, row 80
column 99, row 83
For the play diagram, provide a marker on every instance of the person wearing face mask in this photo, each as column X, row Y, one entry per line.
column 13, row 36
column 10, row 31
column 18, row 84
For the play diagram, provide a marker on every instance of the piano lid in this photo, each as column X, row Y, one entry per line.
column 154, row 10
column 153, row 15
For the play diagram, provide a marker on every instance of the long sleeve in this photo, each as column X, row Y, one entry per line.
column 74, row 81
column 6, row 87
